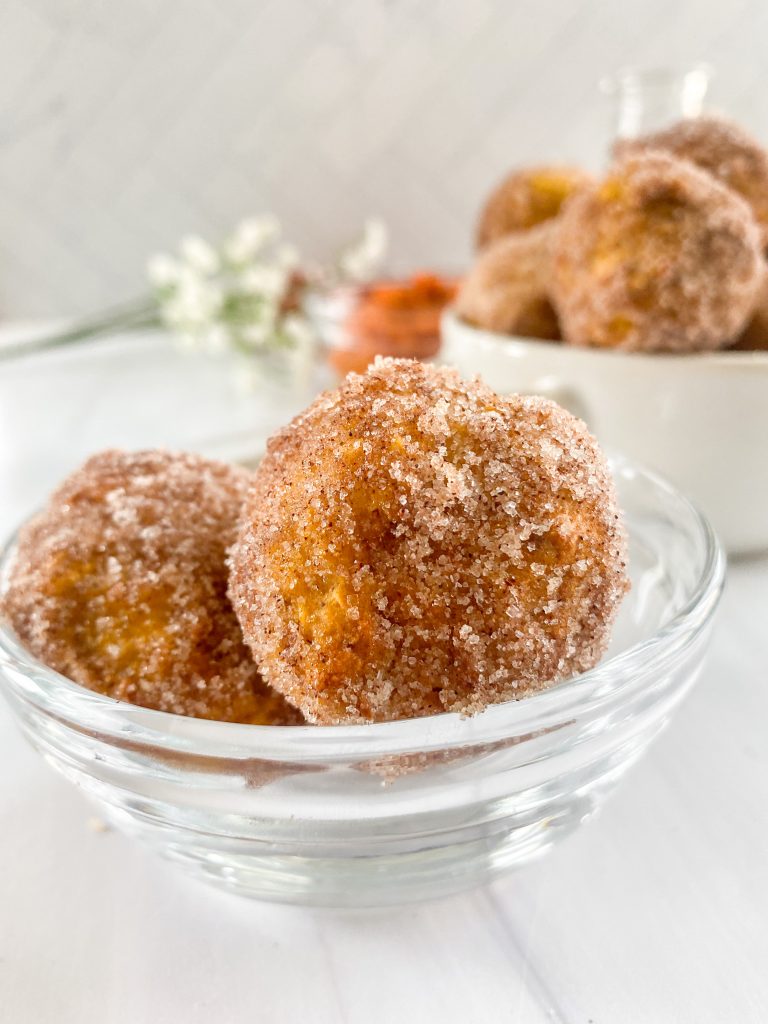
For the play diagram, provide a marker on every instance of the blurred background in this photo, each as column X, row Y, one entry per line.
column 126, row 125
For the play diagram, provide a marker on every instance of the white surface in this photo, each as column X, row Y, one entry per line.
column 657, row 911
column 700, row 420
column 125, row 125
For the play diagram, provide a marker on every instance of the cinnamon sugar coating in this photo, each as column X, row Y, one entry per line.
column 414, row 543
column 527, row 197
column 120, row 584
column 658, row 257
column 719, row 146
column 507, row 288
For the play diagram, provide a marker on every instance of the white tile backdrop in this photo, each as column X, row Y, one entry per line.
column 125, row 124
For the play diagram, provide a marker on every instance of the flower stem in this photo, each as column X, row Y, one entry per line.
column 137, row 315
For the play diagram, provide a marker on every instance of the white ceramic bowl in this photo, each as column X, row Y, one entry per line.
column 700, row 420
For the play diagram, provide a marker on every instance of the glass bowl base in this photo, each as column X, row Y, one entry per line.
column 424, row 867
column 373, row 881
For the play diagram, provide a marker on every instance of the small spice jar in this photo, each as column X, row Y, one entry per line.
column 387, row 317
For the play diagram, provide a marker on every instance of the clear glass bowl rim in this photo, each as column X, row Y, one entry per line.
column 86, row 710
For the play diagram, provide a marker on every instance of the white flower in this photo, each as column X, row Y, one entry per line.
column 287, row 257
column 263, row 279
column 199, row 255
column 249, row 237
column 256, row 335
column 232, row 299
column 163, row 270
column 194, row 303
column 298, row 330
column 375, row 239
column 360, row 261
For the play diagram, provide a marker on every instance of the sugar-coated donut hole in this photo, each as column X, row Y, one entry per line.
column 718, row 146
column 507, row 289
column 526, row 197
column 120, row 584
column 414, row 543
column 659, row 256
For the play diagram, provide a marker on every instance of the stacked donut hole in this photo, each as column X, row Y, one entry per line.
column 665, row 253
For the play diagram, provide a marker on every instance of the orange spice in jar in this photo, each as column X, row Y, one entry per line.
column 391, row 318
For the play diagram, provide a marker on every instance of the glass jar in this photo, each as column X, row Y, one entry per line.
column 356, row 323
column 648, row 100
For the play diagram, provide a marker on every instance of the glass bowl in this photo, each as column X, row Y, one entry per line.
column 366, row 815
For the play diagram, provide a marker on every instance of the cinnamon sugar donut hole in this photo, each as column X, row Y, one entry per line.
column 120, row 584
column 414, row 543
column 720, row 147
column 507, row 288
column 527, row 197
column 658, row 257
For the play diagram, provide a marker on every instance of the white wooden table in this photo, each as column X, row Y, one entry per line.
column 656, row 911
